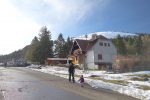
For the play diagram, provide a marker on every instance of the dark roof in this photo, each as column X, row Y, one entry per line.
column 82, row 44
column 87, row 44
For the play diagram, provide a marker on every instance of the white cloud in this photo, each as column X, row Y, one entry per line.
column 21, row 20
column 59, row 14
column 64, row 10
column 64, row 13
column 16, row 30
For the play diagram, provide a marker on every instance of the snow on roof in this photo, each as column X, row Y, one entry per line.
column 59, row 58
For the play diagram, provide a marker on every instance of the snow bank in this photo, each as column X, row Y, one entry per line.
column 131, row 89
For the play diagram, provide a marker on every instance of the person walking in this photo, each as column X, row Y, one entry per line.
column 71, row 71
column 81, row 80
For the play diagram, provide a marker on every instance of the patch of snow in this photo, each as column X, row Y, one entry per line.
column 131, row 88
column 34, row 66
column 128, row 90
column 146, row 83
column 140, row 72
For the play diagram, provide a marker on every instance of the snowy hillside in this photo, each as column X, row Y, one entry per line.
column 108, row 35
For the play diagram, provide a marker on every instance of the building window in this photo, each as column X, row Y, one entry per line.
column 99, row 56
column 101, row 43
column 109, row 44
column 105, row 44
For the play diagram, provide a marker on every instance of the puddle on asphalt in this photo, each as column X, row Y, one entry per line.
column 2, row 90
column 20, row 89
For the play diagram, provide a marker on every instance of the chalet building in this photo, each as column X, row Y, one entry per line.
column 17, row 62
column 56, row 61
column 96, row 53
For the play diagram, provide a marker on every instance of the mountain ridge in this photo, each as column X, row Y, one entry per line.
column 107, row 34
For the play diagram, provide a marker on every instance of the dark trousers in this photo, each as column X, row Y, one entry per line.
column 71, row 75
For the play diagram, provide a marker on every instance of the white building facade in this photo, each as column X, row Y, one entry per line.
column 94, row 54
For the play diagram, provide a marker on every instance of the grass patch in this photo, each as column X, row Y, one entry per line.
column 139, row 79
column 144, row 87
column 96, row 78
column 77, row 75
column 142, row 75
column 120, row 82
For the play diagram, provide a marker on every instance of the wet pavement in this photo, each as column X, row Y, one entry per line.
column 20, row 85
column 25, row 84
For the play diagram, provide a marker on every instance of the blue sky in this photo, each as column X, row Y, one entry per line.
column 118, row 15
column 21, row 20
column 85, row 16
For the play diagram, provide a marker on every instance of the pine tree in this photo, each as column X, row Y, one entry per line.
column 60, row 47
column 130, row 41
column 45, row 47
column 138, row 44
column 69, row 43
column 129, row 45
column 32, row 52
column 121, row 48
